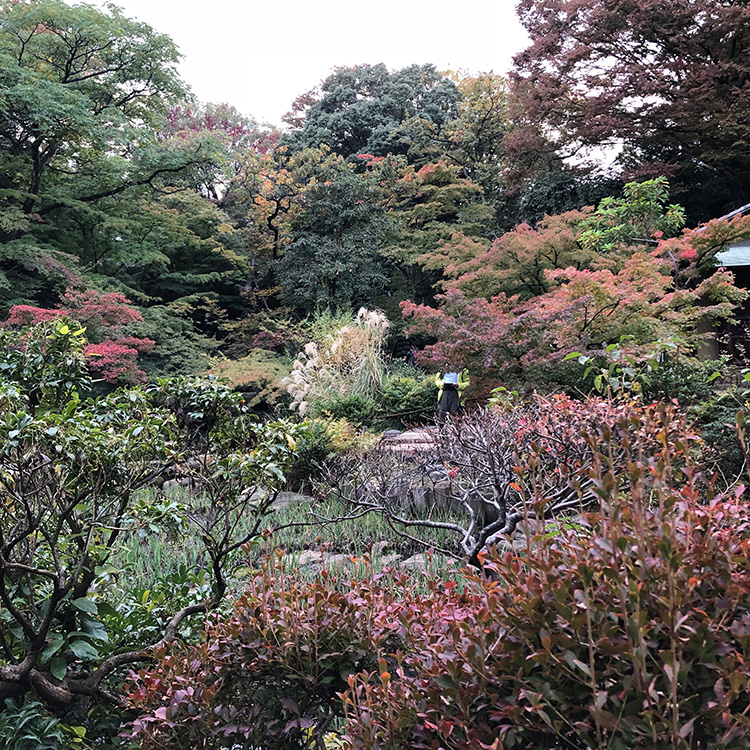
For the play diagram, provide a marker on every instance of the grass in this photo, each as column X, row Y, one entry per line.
column 154, row 553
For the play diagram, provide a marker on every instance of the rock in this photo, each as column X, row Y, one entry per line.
column 417, row 563
column 288, row 499
column 337, row 561
column 411, row 441
column 389, row 560
column 388, row 434
column 306, row 557
column 379, row 547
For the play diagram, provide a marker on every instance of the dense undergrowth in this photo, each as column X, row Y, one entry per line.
column 626, row 630
column 152, row 595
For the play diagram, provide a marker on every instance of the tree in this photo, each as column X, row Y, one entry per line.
column 579, row 283
column 368, row 109
column 517, row 262
column 668, row 81
column 237, row 133
column 333, row 260
column 640, row 216
column 83, row 94
column 475, row 139
column 425, row 208
column 495, row 468
column 69, row 473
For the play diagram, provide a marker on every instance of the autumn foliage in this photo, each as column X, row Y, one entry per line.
column 112, row 354
column 628, row 628
column 579, row 282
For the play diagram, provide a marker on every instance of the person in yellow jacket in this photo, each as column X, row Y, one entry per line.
column 451, row 387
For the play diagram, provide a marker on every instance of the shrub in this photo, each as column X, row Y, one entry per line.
column 269, row 674
column 62, row 519
column 683, row 378
column 628, row 630
column 354, row 407
column 407, row 399
column 29, row 726
column 323, row 438
column 498, row 468
column 259, row 373
column 716, row 419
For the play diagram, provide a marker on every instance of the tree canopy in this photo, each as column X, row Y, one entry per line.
column 666, row 83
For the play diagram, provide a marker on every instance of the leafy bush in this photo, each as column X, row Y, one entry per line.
column 28, row 726
column 269, row 674
column 683, row 378
column 259, row 373
column 716, row 419
column 354, row 407
column 407, row 399
column 70, row 476
column 322, row 439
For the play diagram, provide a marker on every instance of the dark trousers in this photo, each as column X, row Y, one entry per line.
column 448, row 404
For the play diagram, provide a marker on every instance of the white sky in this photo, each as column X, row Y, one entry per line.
column 260, row 55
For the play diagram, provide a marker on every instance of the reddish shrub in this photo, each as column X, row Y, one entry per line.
column 270, row 670
column 26, row 315
column 114, row 362
column 103, row 314
column 627, row 628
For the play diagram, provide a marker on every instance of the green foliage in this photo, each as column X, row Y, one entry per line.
column 688, row 380
column 178, row 348
column 70, row 476
column 368, row 109
column 27, row 725
column 73, row 147
column 354, row 407
column 716, row 420
column 405, row 399
column 258, row 376
column 44, row 367
column 640, row 215
column 323, row 438
column 661, row 374
column 332, row 261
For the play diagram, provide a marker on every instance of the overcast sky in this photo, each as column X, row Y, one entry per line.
column 259, row 56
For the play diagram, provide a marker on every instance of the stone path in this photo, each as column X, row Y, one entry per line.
column 418, row 439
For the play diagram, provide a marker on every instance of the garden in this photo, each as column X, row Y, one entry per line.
column 546, row 571
column 229, row 517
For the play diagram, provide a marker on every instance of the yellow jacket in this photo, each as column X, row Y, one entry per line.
column 462, row 384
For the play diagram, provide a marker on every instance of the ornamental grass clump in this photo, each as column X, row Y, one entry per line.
column 347, row 361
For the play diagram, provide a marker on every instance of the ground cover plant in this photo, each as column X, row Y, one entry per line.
column 627, row 629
